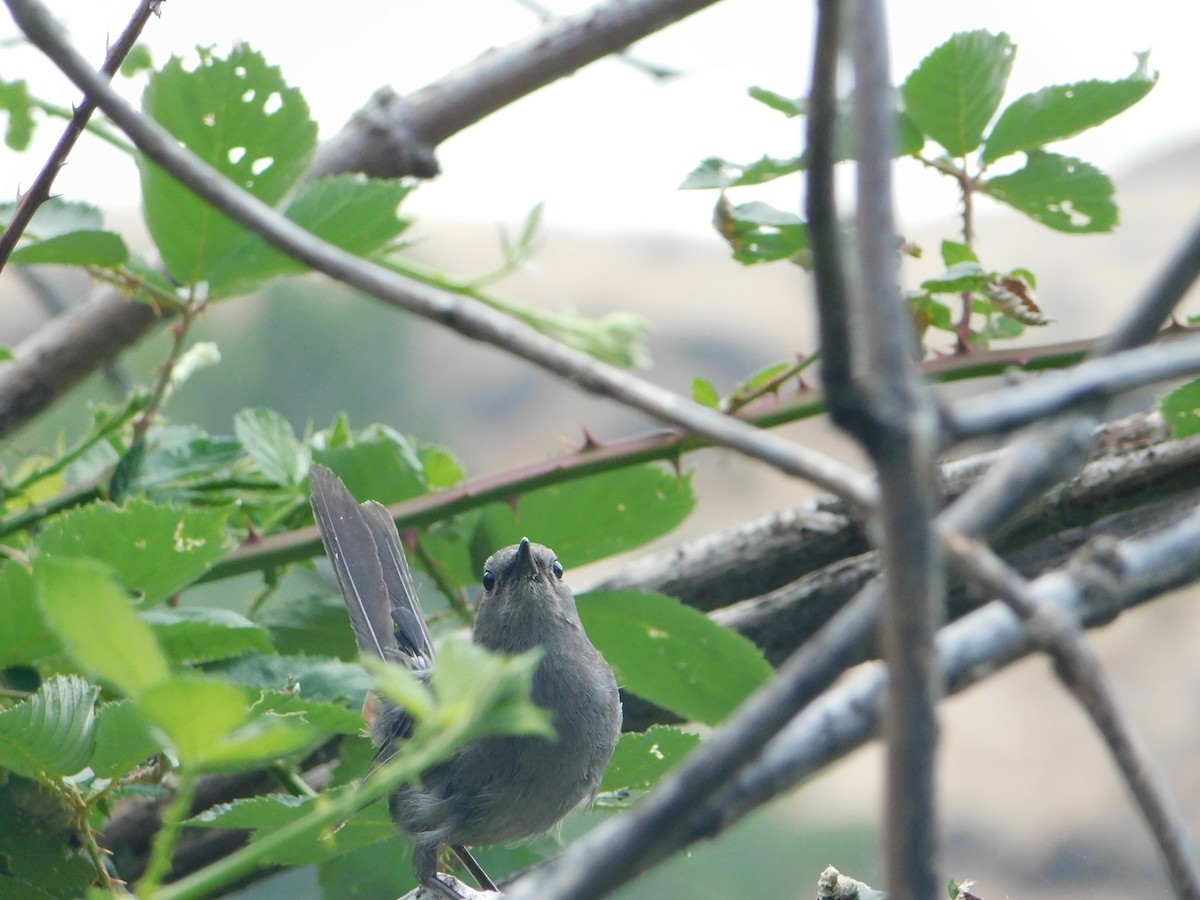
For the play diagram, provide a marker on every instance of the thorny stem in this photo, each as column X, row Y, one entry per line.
column 445, row 584
column 744, row 398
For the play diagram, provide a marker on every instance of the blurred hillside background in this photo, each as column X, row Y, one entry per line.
column 1031, row 804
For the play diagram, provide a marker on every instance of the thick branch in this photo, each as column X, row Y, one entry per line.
column 393, row 135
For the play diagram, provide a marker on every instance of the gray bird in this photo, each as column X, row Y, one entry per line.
column 500, row 789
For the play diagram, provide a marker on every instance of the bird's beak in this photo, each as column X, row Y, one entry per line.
column 523, row 565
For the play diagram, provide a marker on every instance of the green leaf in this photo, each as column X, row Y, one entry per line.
column 787, row 105
column 123, row 739
column 209, row 724
column 14, row 99
column 962, row 276
column 238, row 115
column 313, row 624
column 1061, row 192
column 640, row 760
column 25, row 637
column 58, row 216
column 333, row 718
column 954, row 253
column 96, row 623
column 765, row 375
column 1181, row 409
column 186, row 453
column 358, row 214
column 490, row 690
column 442, row 469
column 270, row 441
column 75, row 248
column 715, row 172
column 369, row 873
column 1064, row 110
column 53, row 732
column 380, row 465
column 672, row 654
column 314, row 678
column 270, row 813
column 758, row 232
column 954, row 91
column 139, row 59
column 190, row 635
column 595, row 517
column 705, row 394
column 156, row 549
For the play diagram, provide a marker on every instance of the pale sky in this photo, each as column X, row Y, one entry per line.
column 607, row 148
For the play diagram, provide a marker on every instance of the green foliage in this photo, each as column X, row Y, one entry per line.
column 53, row 732
column 14, row 100
column 951, row 99
column 640, row 760
column 672, row 654
column 953, row 92
column 1181, row 409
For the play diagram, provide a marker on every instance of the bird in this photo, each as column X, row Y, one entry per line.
column 498, row 789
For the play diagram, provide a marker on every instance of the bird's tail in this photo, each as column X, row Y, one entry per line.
column 363, row 544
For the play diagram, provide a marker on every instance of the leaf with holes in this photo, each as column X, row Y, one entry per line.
column 640, row 760
column 1061, row 192
column 671, row 654
column 54, row 731
column 239, row 116
column 955, row 90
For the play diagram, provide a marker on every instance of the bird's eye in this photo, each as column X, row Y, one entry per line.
column 557, row 569
column 489, row 581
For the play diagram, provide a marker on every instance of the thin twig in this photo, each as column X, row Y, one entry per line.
column 1080, row 672
column 469, row 318
column 39, row 192
column 1103, row 379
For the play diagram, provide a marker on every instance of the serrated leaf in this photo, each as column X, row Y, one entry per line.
column 1061, row 192
column 705, row 394
column 316, row 678
column 123, row 739
column 641, row 759
column 210, row 726
column 238, row 115
column 953, row 92
column 594, row 517
column 53, row 732
column 25, row 637
column 672, row 654
column 58, row 216
column 156, row 549
column 264, row 815
column 76, row 248
column 1181, row 409
column 96, row 624
column 962, row 276
column 358, row 214
column 270, row 441
column 329, row 717
column 380, row 465
column 191, row 635
column 14, row 99
column 185, row 453
column 1064, row 110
